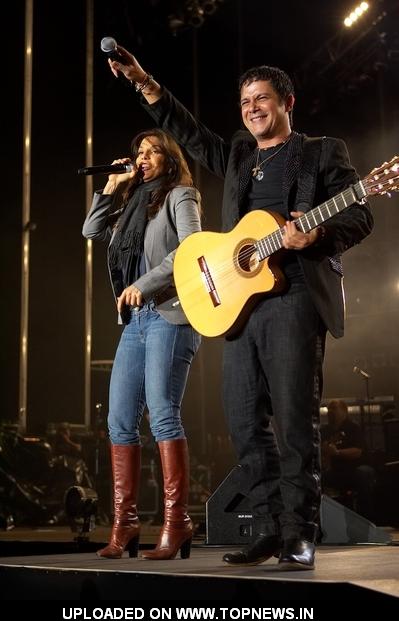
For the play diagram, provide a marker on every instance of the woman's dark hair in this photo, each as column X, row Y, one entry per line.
column 177, row 171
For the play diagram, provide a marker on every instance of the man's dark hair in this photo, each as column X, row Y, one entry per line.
column 280, row 81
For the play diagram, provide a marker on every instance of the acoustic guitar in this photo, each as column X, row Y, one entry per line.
column 221, row 276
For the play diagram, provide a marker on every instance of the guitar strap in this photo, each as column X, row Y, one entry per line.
column 307, row 186
column 307, row 176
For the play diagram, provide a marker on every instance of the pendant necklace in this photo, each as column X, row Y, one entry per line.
column 257, row 172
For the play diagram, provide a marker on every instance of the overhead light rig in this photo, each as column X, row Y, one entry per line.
column 192, row 14
column 355, row 55
column 356, row 14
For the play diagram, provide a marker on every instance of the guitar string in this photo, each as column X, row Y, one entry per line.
column 303, row 221
column 226, row 271
column 226, row 265
column 271, row 237
column 276, row 235
column 228, row 278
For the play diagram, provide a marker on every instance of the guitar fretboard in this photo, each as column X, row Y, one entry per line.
column 311, row 219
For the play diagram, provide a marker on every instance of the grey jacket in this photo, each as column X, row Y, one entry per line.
column 178, row 217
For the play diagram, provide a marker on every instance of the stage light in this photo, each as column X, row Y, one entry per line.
column 195, row 14
column 192, row 14
column 209, row 6
column 81, row 510
column 355, row 14
column 176, row 22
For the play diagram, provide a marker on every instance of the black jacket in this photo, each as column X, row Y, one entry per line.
column 304, row 187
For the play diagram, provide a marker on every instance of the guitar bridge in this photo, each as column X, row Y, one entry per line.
column 208, row 281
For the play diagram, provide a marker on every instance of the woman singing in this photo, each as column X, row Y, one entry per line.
column 160, row 207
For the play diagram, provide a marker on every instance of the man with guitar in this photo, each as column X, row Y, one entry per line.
column 273, row 360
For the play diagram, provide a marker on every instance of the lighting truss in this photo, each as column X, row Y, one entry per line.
column 346, row 48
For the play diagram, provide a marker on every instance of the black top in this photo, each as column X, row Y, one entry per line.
column 349, row 435
column 267, row 194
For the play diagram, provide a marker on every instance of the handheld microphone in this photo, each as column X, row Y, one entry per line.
column 107, row 169
column 361, row 372
column 109, row 46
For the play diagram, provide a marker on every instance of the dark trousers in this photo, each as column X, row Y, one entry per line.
column 272, row 390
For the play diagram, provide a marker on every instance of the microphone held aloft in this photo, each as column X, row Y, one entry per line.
column 109, row 46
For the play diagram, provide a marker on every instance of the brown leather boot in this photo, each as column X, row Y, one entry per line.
column 126, row 460
column 177, row 531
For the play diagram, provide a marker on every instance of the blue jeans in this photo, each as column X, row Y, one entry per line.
column 150, row 369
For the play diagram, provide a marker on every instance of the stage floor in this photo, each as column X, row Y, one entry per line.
column 373, row 568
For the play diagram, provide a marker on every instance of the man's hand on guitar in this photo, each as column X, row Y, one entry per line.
column 294, row 239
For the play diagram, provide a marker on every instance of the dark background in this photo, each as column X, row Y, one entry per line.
column 352, row 96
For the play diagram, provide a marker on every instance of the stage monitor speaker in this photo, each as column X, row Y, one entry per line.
column 340, row 525
column 229, row 517
column 228, row 512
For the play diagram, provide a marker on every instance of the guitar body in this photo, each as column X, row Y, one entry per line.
column 221, row 276
column 218, row 277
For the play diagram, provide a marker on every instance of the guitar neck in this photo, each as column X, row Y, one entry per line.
column 312, row 219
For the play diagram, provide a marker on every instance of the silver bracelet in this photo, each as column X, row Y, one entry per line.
column 140, row 86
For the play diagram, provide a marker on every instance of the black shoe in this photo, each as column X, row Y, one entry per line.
column 297, row 554
column 261, row 549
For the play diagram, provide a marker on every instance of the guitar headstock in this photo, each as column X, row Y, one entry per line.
column 384, row 179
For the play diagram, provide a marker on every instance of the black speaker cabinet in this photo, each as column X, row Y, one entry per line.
column 228, row 513
column 229, row 517
column 340, row 525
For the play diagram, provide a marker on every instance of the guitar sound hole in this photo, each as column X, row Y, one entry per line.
column 247, row 258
